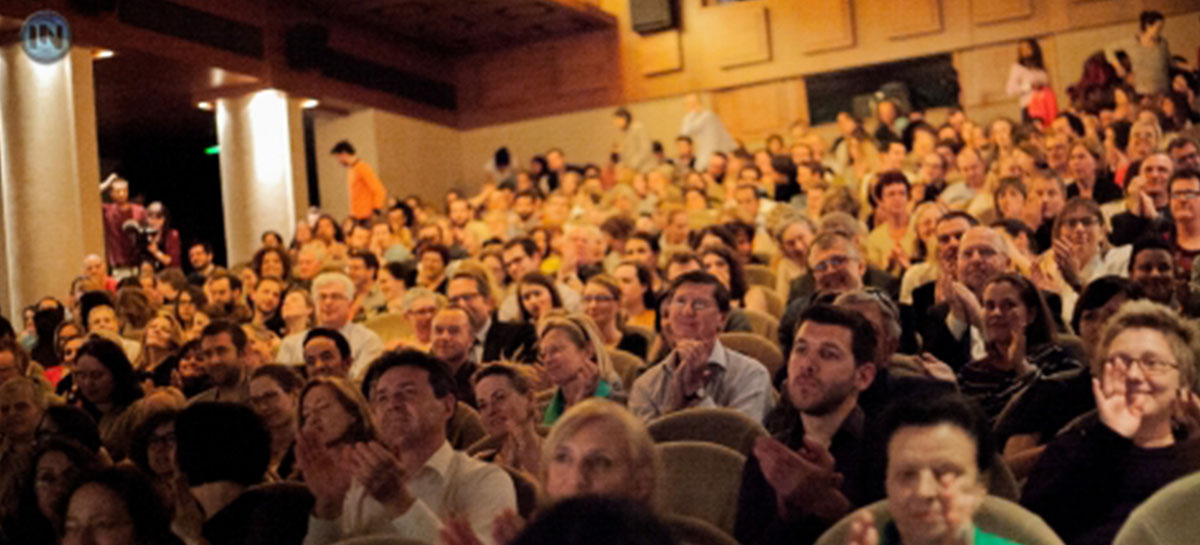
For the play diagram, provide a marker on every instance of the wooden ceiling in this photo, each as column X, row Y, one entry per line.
column 466, row 26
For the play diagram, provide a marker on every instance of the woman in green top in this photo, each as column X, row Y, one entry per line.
column 572, row 354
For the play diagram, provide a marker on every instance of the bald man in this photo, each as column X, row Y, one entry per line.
column 1146, row 202
column 97, row 274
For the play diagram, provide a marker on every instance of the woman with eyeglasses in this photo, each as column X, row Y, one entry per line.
column 602, row 303
column 1093, row 474
column 187, row 305
column 152, row 450
column 571, row 352
column 1081, row 253
column 164, row 245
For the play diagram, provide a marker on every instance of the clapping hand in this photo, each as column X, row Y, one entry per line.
column 380, row 473
column 325, row 477
column 693, row 371
column 803, row 479
column 862, row 530
column 1113, row 403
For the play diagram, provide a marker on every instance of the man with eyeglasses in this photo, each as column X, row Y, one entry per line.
column 495, row 339
column 836, row 266
column 520, row 256
column 1185, row 152
column 332, row 292
column 1185, row 210
column 1147, row 200
column 700, row 371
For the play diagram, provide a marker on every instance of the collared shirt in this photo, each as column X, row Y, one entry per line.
column 738, row 382
column 449, row 484
column 119, row 246
column 480, row 340
column 365, row 346
column 558, row 403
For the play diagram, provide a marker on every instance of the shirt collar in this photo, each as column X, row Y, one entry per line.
column 481, row 337
column 719, row 357
column 440, row 461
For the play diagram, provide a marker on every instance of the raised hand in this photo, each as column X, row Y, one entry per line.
column 380, row 473
column 804, row 480
column 457, row 530
column 1065, row 256
column 937, row 369
column 958, row 503
column 1112, row 402
column 325, row 477
column 1186, row 412
column 862, row 530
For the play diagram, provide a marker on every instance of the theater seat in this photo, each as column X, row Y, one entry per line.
column 775, row 303
column 464, row 428
column 390, row 327
column 626, row 365
column 750, row 344
column 759, row 275
column 996, row 516
column 722, row 426
column 380, row 540
column 1166, row 518
column 700, row 480
column 1001, row 481
column 762, row 324
column 692, row 531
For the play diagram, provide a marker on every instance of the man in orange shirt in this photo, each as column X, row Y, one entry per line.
column 367, row 193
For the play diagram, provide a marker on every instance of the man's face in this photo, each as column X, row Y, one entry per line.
column 894, row 198
column 333, row 305
column 103, row 318
column 1156, row 171
column 1186, row 156
column 93, row 268
column 358, row 272
column 716, row 166
column 932, row 477
column 694, row 313
column 1049, row 195
column 821, row 374
column 219, row 292
column 276, row 407
column 430, row 234
column 683, row 148
column 1185, row 199
column 452, row 336
column 465, row 293
column 525, row 206
column 836, row 269
column 266, row 297
column 221, row 359
column 198, row 257
column 555, row 160
column 895, row 156
column 119, row 193
column 1154, row 271
column 972, row 169
column 980, row 257
column 460, row 212
column 1057, row 149
column 932, row 169
column 747, row 203
column 322, row 358
column 344, row 159
column 517, row 262
column 405, row 407
column 949, row 234
column 795, row 241
column 677, row 227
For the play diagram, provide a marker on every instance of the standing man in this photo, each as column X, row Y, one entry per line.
column 706, row 130
column 1148, row 54
column 122, row 252
column 367, row 193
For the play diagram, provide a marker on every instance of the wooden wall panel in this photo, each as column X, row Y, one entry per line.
column 746, row 29
column 914, row 18
column 660, row 53
column 828, row 25
column 984, row 12
column 751, row 113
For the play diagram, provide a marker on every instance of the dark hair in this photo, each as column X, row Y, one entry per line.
column 537, row 278
column 269, row 233
column 862, row 333
column 1148, row 242
column 1099, row 292
column 891, row 177
column 1149, row 17
column 139, row 442
column 941, row 408
column 71, row 422
column 596, row 520
column 33, row 526
column 283, row 258
column 284, row 375
column 958, row 214
column 623, row 113
column 1120, row 131
column 683, row 138
column 337, row 229
column 338, row 339
column 1183, row 174
column 645, row 276
column 502, row 157
column 705, row 279
column 148, row 511
column 440, row 377
column 369, row 259
column 720, row 231
column 438, row 248
column 208, row 433
column 343, row 146
column 737, row 276
column 1074, row 122
column 1043, row 327
column 526, row 244
column 90, row 301
column 208, row 249
column 126, row 388
column 1015, row 228
column 648, row 238
column 618, row 227
column 1034, row 59
column 1180, row 142
column 236, row 333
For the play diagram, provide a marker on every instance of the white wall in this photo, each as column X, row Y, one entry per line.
column 359, row 128
column 416, row 156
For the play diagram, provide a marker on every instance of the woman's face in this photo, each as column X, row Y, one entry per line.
column 536, row 299
column 272, row 265
column 326, row 230
column 160, row 453
column 1081, row 228
column 717, row 266
column 1151, row 392
column 52, row 479
column 599, row 304
column 1091, row 321
column 271, row 240
column 199, row 321
column 496, row 266
column 391, row 288
column 94, row 379
column 19, row 413
column 1005, row 316
column 711, row 240
column 422, row 312
column 189, row 365
column 591, row 462
column 158, row 333
column 185, row 307
column 563, row 360
column 295, row 305
column 501, row 406
column 324, row 415
column 632, row 289
column 381, row 236
column 639, row 250
column 303, row 232
column 1011, row 203
column 1082, row 164
column 927, row 222
column 432, row 264
column 97, row 516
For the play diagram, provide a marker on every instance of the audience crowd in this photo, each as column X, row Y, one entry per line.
column 918, row 311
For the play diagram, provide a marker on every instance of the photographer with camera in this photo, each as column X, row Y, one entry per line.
column 121, row 217
column 162, row 246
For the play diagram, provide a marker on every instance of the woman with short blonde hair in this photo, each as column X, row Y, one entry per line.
column 575, row 360
column 600, row 428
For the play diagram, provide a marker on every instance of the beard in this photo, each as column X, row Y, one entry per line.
column 828, row 398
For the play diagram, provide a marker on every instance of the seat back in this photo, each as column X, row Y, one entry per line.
column 1169, row 516
column 701, row 480
column 750, row 344
column 759, row 275
column 390, row 326
column 1001, row 481
column 528, row 492
column 626, row 365
column 719, row 425
column 380, row 539
column 692, row 531
column 775, row 303
column 464, row 428
column 762, row 324
column 996, row 516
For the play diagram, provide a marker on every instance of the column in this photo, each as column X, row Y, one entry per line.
column 49, row 176
column 263, row 185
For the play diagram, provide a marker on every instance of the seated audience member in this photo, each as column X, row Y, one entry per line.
column 152, row 450
column 52, row 468
column 108, row 387
column 222, row 504
column 1185, row 211
column 700, row 371
column 1047, row 195
column 720, row 262
column 1090, row 176
column 186, row 308
column 794, row 237
column 296, row 311
column 939, row 452
column 536, row 295
column 432, row 260
column 1148, row 197
column 120, row 494
column 334, row 415
column 69, row 422
column 926, row 262
column 412, row 482
column 837, row 267
column 1093, row 474
column 333, row 292
column 791, row 489
column 1081, row 252
column 393, row 288
column 602, row 303
column 22, row 403
column 642, row 247
column 225, row 298
column 1098, row 302
column 326, row 353
column 99, row 316
column 471, row 289
column 508, row 411
column 223, row 353
column 888, row 246
column 160, row 344
column 600, row 429
column 841, row 254
column 597, row 520
column 637, row 282
column 266, row 304
column 453, row 338
column 521, row 257
column 275, row 397
column 1152, row 268
column 576, row 363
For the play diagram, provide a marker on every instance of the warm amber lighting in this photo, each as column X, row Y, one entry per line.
column 99, row 54
column 310, row 103
column 205, row 105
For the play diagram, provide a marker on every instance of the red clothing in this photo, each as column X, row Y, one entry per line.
column 1043, row 106
column 119, row 246
column 367, row 193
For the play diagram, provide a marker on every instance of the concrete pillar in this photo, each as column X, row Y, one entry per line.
column 49, row 176
column 263, row 184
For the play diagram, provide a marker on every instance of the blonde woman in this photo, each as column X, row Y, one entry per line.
column 505, row 397
column 160, row 342
column 572, row 355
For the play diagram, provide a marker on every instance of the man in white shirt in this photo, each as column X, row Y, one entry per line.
column 332, row 292
column 700, row 371
column 706, row 130
column 408, row 484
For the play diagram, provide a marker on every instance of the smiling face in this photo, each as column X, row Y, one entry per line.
column 980, row 257
column 925, row 462
column 1154, row 271
column 1151, row 391
column 501, row 406
column 452, row 335
column 694, row 313
column 536, row 300
column 837, row 269
column 600, row 304
column 1082, row 228
column 405, row 407
column 563, row 359
column 1005, row 315
column 716, row 265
